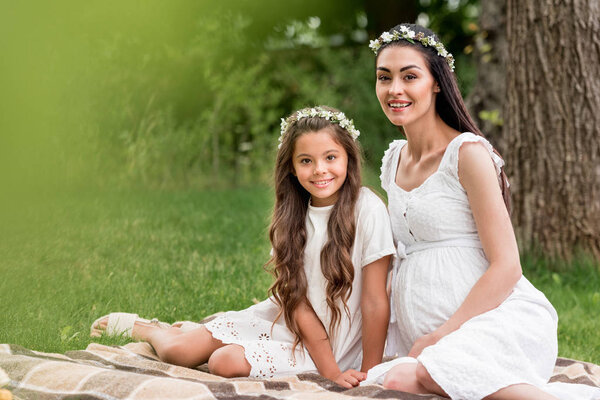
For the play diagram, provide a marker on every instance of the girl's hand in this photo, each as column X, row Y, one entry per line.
column 350, row 378
column 422, row 342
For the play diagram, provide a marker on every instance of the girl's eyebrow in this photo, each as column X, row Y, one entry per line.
column 401, row 69
column 309, row 156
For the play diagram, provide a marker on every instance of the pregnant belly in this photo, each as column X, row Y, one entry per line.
column 431, row 285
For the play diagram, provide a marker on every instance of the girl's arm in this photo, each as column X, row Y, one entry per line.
column 317, row 343
column 478, row 176
column 375, row 310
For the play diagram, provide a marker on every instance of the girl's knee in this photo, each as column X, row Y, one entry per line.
column 229, row 361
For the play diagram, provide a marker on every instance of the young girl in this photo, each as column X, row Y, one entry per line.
column 331, row 243
column 460, row 305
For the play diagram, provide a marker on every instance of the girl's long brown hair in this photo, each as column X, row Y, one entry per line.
column 449, row 103
column 288, row 228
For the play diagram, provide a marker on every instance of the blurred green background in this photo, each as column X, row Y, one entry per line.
column 137, row 140
column 187, row 93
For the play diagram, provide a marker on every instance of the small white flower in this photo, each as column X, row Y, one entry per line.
column 387, row 37
column 374, row 45
column 410, row 34
column 404, row 29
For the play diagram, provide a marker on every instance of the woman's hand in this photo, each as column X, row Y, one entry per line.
column 350, row 378
column 422, row 342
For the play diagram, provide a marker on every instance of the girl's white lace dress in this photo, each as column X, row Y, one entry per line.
column 439, row 259
column 268, row 347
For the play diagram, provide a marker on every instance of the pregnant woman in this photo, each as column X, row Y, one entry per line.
column 470, row 323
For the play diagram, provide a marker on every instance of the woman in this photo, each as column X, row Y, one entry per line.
column 471, row 323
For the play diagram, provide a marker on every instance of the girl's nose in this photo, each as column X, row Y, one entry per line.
column 319, row 168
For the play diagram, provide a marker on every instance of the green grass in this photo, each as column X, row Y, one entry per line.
column 66, row 260
column 167, row 255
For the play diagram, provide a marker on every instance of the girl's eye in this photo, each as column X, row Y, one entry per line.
column 305, row 161
column 410, row 77
column 382, row 78
column 330, row 157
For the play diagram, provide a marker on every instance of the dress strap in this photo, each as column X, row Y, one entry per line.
column 389, row 164
column 450, row 159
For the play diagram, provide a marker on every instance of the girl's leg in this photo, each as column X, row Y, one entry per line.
column 521, row 391
column 187, row 349
column 404, row 377
column 229, row 361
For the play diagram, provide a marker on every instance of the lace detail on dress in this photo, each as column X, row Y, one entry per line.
column 268, row 358
column 388, row 168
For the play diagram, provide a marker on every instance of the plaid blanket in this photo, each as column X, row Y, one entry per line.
column 134, row 372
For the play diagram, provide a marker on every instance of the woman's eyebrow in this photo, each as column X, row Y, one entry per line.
column 409, row 67
column 401, row 69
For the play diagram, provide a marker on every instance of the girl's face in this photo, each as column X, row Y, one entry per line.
column 405, row 87
column 320, row 164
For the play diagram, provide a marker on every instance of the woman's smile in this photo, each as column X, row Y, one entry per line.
column 399, row 105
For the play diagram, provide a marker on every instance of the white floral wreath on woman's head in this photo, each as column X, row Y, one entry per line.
column 409, row 35
column 331, row 116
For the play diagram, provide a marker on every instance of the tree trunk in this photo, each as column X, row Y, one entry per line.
column 552, row 123
column 487, row 98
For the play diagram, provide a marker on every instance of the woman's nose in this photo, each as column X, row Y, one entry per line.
column 396, row 87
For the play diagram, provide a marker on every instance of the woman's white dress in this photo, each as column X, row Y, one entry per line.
column 439, row 259
column 268, row 347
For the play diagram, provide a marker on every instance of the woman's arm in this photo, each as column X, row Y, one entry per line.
column 317, row 343
column 478, row 176
column 375, row 310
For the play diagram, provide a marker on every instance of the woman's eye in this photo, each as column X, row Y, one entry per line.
column 382, row 78
column 330, row 157
column 410, row 77
column 305, row 161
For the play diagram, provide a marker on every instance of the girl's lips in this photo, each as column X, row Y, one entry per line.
column 322, row 183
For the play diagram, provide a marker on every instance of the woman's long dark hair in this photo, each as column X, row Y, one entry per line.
column 449, row 103
column 288, row 227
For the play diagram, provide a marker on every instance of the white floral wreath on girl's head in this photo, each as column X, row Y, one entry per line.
column 410, row 36
column 331, row 116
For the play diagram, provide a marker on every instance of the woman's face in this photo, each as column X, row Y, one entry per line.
column 405, row 87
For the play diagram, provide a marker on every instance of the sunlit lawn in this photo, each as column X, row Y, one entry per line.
column 69, row 259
